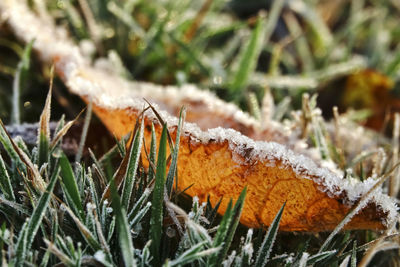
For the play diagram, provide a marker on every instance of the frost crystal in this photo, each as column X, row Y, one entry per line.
column 100, row 256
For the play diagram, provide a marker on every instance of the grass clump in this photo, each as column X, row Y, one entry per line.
column 70, row 214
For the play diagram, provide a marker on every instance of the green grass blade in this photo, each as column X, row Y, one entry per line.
column 192, row 254
column 123, row 229
column 43, row 147
column 19, row 82
column 98, row 167
column 247, row 249
column 320, row 256
column 15, row 207
column 353, row 261
column 323, row 36
column 153, row 38
column 222, row 229
column 108, row 155
column 126, row 18
column 226, row 230
column 85, row 129
column 237, row 211
column 211, row 212
column 393, row 66
column 121, row 146
column 249, row 56
column 192, row 54
column 266, row 246
column 75, row 20
column 93, row 192
column 8, row 146
column 153, row 152
column 87, row 235
column 20, row 247
column 174, row 161
column 111, row 230
column 5, row 182
column 134, row 156
column 45, row 259
column 156, row 220
column 32, row 171
column 139, row 215
column 59, row 254
column 139, row 204
column 70, row 185
column 40, row 209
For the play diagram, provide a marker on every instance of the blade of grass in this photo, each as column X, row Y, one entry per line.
column 223, row 229
column 393, row 66
column 135, row 150
column 249, row 56
column 320, row 256
column 108, row 155
column 174, row 161
column 227, row 230
column 32, row 171
column 153, row 37
column 70, row 184
column 85, row 129
column 123, row 229
column 153, row 153
column 266, row 246
column 19, row 82
column 322, row 33
column 139, row 204
column 127, row 19
column 247, row 249
column 254, row 106
column 237, row 211
column 5, row 182
column 211, row 212
column 156, row 219
column 251, row 52
column 121, row 172
column 192, row 254
column 58, row 253
column 6, row 142
column 20, row 246
column 15, row 207
column 124, row 166
column 345, row 262
column 87, row 235
column 300, row 43
column 40, row 209
column 62, row 131
column 303, row 259
column 139, row 215
column 353, row 262
column 192, row 53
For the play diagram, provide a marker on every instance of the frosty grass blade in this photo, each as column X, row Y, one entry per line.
column 218, row 161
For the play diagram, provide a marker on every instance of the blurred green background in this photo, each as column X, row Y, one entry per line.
column 346, row 51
